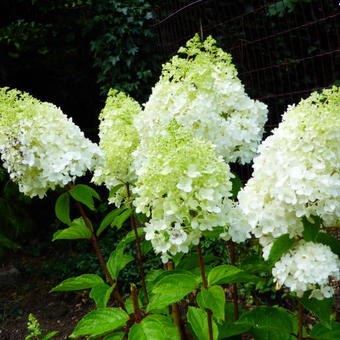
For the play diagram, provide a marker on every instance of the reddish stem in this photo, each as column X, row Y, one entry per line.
column 234, row 292
column 300, row 320
column 205, row 286
column 134, row 298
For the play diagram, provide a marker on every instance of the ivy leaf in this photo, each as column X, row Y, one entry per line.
column 84, row 194
column 319, row 331
column 280, row 246
column 269, row 323
column 100, row 322
column 62, row 208
column 77, row 230
column 198, row 320
column 212, row 298
column 229, row 274
column 84, row 281
column 117, row 261
column 101, row 294
column 154, row 327
column 108, row 219
column 321, row 308
column 311, row 229
column 171, row 288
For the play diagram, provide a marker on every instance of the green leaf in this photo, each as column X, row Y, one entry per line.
column 154, row 327
column 108, row 219
column 269, row 323
column 319, row 331
column 115, row 189
column 130, row 237
column 280, row 246
column 62, row 208
column 49, row 335
column 115, row 336
column 190, row 262
column 198, row 320
column 101, row 294
column 7, row 243
column 84, row 194
column 119, row 220
column 100, row 322
column 330, row 241
column 311, row 228
column 77, row 230
column 171, row 288
column 321, row 308
column 232, row 328
column 212, row 298
column 84, row 281
column 229, row 274
column 117, row 261
column 237, row 185
column 146, row 247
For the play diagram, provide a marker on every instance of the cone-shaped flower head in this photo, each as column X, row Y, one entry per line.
column 40, row 147
column 201, row 91
column 184, row 186
column 298, row 170
column 118, row 139
column 308, row 266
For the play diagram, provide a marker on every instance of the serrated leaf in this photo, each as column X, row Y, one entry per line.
column 212, row 298
column 117, row 261
column 108, row 219
column 311, row 228
column 198, row 320
column 77, row 230
column 84, row 281
column 100, row 322
column 330, row 241
column 320, row 308
column 101, row 294
column 62, row 208
column 269, row 323
column 321, row 332
column 280, row 246
column 154, row 327
column 84, row 194
column 232, row 328
column 120, row 219
column 229, row 274
column 171, row 288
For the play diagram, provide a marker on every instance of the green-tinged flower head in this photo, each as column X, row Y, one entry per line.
column 184, row 186
column 297, row 173
column 199, row 88
column 118, row 139
column 40, row 147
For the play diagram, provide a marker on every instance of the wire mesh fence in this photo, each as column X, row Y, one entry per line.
column 283, row 49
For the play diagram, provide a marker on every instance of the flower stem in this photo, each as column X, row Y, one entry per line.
column 300, row 320
column 100, row 257
column 175, row 310
column 205, row 286
column 232, row 254
column 138, row 248
column 134, row 298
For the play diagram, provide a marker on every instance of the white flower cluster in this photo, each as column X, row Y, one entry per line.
column 40, row 147
column 298, row 170
column 202, row 92
column 118, row 139
column 308, row 266
column 184, row 186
